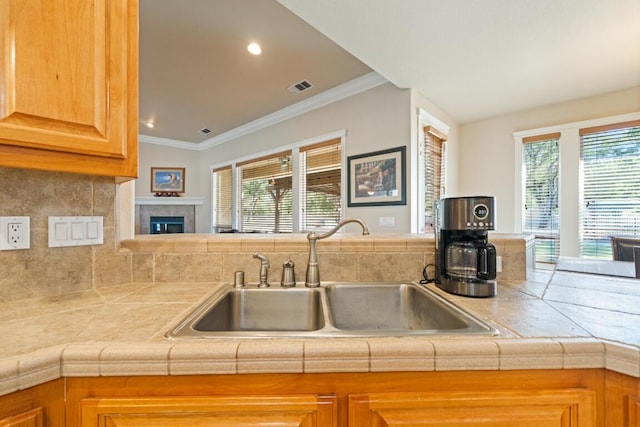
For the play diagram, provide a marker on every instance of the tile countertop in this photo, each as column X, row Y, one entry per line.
column 554, row 320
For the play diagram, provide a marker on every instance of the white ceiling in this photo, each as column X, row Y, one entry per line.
column 473, row 58
column 195, row 71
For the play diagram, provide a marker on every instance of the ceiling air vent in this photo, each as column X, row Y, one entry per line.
column 205, row 131
column 300, row 86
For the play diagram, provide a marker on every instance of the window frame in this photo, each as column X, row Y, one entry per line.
column 549, row 236
column 294, row 149
column 606, row 213
column 569, row 204
column 426, row 121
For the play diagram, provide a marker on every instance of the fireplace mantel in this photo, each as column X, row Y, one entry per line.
column 169, row 201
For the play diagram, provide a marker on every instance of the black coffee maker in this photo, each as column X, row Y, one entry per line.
column 465, row 260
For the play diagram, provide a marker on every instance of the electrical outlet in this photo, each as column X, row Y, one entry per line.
column 14, row 233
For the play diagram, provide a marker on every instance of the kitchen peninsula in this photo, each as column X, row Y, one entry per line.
column 564, row 337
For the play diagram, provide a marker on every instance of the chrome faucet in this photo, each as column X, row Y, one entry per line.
column 264, row 269
column 313, row 272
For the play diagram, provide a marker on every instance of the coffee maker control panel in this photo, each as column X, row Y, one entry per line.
column 468, row 213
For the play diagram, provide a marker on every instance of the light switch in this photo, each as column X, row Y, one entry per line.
column 77, row 232
column 60, row 231
column 92, row 230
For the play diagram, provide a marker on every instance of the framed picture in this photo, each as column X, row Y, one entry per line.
column 167, row 180
column 377, row 178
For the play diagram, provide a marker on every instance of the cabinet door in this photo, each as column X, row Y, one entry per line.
column 549, row 408
column 32, row 418
column 68, row 83
column 304, row 411
column 633, row 411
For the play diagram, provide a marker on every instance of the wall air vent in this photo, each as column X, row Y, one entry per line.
column 300, row 87
column 205, row 131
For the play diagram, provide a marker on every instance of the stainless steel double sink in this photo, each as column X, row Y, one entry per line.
column 332, row 310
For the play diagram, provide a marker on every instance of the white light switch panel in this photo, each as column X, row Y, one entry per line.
column 75, row 231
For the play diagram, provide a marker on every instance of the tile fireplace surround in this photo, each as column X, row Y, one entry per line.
column 146, row 207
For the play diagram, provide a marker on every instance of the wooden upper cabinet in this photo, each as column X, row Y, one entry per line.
column 69, row 85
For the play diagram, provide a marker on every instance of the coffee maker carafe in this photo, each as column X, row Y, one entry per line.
column 466, row 261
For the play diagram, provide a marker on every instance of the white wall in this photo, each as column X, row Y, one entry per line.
column 154, row 155
column 487, row 147
column 374, row 120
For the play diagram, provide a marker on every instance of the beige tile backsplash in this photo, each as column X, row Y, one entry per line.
column 42, row 271
column 347, row 257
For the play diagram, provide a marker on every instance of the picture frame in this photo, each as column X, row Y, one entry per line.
column 377, row 178
column 167, row 180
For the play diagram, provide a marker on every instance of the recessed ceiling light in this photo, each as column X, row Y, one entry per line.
column 150, row 124
column 254, row 48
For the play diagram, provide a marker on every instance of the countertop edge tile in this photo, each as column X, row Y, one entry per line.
column 336, row 355
column 582, row 353
column 9, row 375
column 135, row 359
column 622, row 358
column 271, row 356
column 539, row 353
column 401, row 354
column 461, row 354
column 82, row 360
column 374, row 355
column 192, row 358
column 42, row 366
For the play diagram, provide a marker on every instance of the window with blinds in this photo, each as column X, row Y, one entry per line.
column 265, row 194
column 541, row 184
column 610, row 162
column 434, row 161
column 222, row 199
column 320, row 184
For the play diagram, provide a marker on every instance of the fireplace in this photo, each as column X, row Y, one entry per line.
column 147, row 207
column 166, row 224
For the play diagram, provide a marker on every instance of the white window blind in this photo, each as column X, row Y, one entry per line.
column 541, row 184
column 222, row 199
column 434, row 160
column 265, row 194
column 320, row 184
column 610, row 161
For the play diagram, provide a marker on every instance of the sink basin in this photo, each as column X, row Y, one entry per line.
column 391, row 307
column 332, row 310
column 252, row 311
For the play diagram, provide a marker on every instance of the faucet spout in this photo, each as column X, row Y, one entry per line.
column 312, row 279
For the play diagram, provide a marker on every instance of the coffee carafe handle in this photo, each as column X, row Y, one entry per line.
column 487, row 262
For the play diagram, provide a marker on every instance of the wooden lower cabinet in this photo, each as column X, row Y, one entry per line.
column 548, row 408
column 474, row 398
column 38, row 406
column 30, row 418
column 622, row 400
column 572, row 397
column 247, row 411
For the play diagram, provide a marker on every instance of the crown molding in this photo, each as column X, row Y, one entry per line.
column 168, row 142
column 345, row 90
